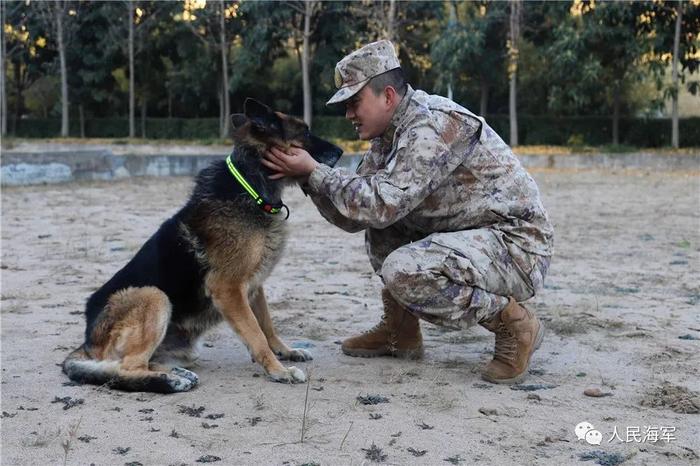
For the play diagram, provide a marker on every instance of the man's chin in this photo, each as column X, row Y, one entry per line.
column 363, row 136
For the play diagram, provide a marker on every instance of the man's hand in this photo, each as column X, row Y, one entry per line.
column 295, row 162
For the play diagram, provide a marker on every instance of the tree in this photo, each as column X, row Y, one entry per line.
column 513, row 44
column 26, row 56
column 130, row 23
column 9, row 11
column 3, row 54
column 310, row 8
column 41, row 96
column 279, row 31
column 597, row 43
column 57, row 17
column 676, row 47
column 93, row 88
column 470, row 48
column 209, row 23
column 304, row 12
column 673, row 28
column 379, row 17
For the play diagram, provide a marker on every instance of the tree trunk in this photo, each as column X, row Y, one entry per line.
column 64, row 71
column 81, row 113
column 19, row 95
column 515, row 6
column 309, row 6
column 3, row 54
column 675, row 140
column 616, row 116
column 170, row 103
column 391, row 21
column 224, row 76
column 484, row 103
column 222, row 117
column 132, row 90
column 144, row 107
column 451, row 23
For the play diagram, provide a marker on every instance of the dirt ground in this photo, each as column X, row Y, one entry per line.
column 621, row 307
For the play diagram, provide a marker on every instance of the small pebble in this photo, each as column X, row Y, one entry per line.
column 595, row 393
column 488, row 411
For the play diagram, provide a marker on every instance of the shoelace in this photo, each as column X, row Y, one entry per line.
column 506, row 344
column 392, row 340
column 377, row 326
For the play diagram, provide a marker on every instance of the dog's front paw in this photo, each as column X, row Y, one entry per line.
column 298, row 354
column 186, row 374
column 289, row 375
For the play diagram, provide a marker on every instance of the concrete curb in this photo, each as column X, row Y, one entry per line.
column 633, row 160
column 59, row 167
column 48, row 167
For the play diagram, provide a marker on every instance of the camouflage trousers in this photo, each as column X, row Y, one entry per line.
column 459, row 279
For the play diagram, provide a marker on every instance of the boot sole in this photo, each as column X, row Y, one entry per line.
column 518, row 378
column 400, row 354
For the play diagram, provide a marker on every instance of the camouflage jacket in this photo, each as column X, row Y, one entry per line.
column 437, row 168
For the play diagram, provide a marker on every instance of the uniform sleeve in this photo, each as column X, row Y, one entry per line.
column 330, row 213
column 421, row 163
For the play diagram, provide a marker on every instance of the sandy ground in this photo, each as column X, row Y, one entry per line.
column 621, row 306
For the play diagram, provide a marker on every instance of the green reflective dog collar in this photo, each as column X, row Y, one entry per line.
column 259, row 201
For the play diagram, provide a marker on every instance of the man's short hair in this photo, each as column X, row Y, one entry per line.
column 394, row 78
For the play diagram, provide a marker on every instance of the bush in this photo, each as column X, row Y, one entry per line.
column 534, row 130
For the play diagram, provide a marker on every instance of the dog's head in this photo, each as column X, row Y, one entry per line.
column 259, row 125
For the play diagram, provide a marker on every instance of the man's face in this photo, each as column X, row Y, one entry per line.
column 370, row 114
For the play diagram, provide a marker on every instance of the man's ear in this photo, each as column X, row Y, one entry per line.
column 391, row 96
column 238, row 120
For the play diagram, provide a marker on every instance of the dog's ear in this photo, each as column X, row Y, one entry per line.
column 324, row 152
column 238, row 120
column 253, row 108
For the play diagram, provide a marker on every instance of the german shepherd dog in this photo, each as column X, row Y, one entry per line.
column 205, row 264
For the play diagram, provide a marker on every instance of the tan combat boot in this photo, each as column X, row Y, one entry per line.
column 518, row 334
column 397, row 334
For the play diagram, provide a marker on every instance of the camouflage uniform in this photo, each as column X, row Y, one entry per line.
column 453, row 223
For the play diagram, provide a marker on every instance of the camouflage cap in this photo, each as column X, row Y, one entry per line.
column 356, row 69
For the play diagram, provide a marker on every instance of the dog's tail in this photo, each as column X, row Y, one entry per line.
column 81, row 368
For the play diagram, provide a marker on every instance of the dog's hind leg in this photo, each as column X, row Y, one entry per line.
column 178, row 349
column 259, row 305
column 130, row 329
column 232, row 301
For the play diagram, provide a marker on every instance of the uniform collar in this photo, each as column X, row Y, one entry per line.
column 387, row 138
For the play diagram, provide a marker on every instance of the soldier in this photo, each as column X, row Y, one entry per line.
column 453, row 223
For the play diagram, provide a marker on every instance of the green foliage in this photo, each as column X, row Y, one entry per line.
column 594, row 56
column 575, row 140
column 473, row 38
column 334, row 127
column 570, row 64
column 43, row 95
column 662, row 27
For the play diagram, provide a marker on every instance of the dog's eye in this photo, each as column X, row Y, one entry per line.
column 307, row 134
